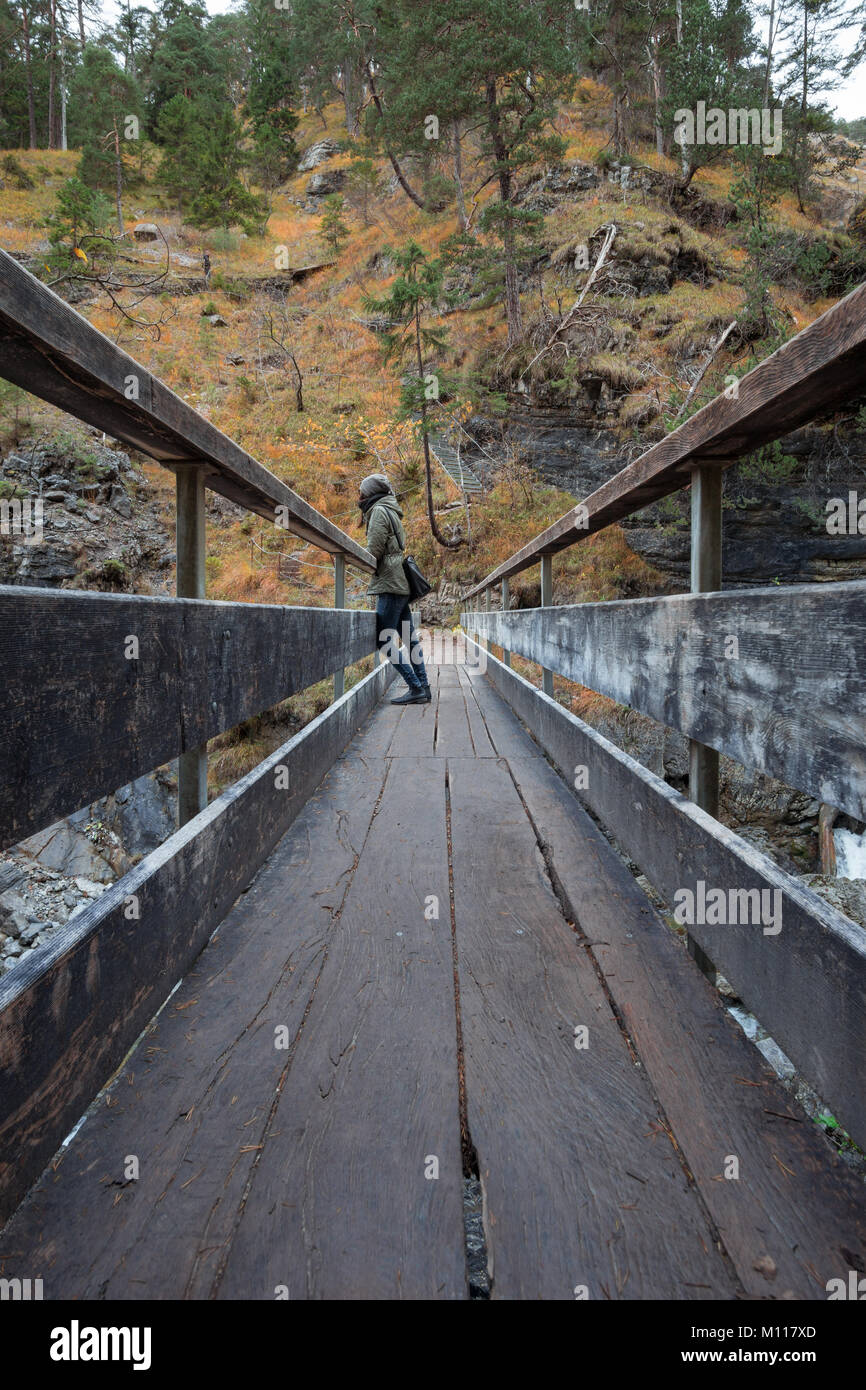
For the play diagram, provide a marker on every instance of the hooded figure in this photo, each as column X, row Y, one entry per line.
column 386, row 540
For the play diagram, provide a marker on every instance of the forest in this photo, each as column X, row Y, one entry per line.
column 473, row 166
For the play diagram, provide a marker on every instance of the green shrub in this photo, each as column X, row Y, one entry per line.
column 13, row 170
column 769, row 465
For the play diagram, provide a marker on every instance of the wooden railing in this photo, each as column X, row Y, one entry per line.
column 99, row 689
column 50, row 350
column 820, row 368
column 775, row 678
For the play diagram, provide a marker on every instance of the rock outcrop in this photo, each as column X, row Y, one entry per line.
column 775, row 517
column 53, row 875
column 99, row 529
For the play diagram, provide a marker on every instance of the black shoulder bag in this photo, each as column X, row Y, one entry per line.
column 418, row 585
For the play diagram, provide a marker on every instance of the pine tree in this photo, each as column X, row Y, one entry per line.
column 102, row 101
column 709, row 65
column 221, row 198
column 187, row 60
column 499, row 68
column 182, row 132
column 333, row 44
column 332, row 228
column 810, row 66
column 270, row 88
column 613, row 37
column 77, row 228
column 363, row 185
column 416, row 292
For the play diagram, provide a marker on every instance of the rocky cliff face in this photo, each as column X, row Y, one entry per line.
column 101, row 527
column 52, row 876
column 775, row 508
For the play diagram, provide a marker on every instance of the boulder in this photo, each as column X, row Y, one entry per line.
column 14, row 913
column 10, row 876
column 34, row 930
column 88, row 887
column 119, row 501
column 41, row 565
column 146, row 231
column 145, row 813
column 317, row 154
column 216, row 320
column 324, row 183
column 66, row 847
column 848, row 895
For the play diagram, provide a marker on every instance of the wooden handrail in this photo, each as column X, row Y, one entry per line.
column 51, row 351
column 823, row 366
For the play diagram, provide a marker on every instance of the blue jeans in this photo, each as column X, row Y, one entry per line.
column 395, row 626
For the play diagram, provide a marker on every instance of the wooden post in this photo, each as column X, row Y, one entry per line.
column 546, row 602
column 487, row 610
column 339, row 602
column 475, row 634
column 827, row 816
column 506, row 655
column 190, row 542
column 706, row 576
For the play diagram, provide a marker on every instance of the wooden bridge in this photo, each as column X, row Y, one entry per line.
column 406, row 958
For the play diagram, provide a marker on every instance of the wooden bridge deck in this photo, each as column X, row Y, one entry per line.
column 288, row 1107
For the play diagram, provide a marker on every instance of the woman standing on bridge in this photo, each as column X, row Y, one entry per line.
column 386, row 540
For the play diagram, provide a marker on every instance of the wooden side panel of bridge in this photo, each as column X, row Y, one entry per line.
column 408, row 952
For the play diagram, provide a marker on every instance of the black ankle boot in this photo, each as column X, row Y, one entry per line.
column 415, row 696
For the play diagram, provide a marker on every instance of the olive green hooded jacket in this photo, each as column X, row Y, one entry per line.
column 386, row 546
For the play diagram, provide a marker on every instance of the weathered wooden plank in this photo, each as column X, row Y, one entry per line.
column 415, row 735
column 478, row 730
column 373, row 741
column 194, row 1098
column 775, row 677
column 53, row 352
column 69, row 1013
column 453, row 737
column 581, row 1185
column 101, row 688
column 448, row 675
column 822, row 367
column 507, row 735
column 346, row 1193
column 805, row 981
column 792, row 1215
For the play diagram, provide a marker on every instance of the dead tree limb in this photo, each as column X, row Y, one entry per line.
column 602, row 256
column 702, row 373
